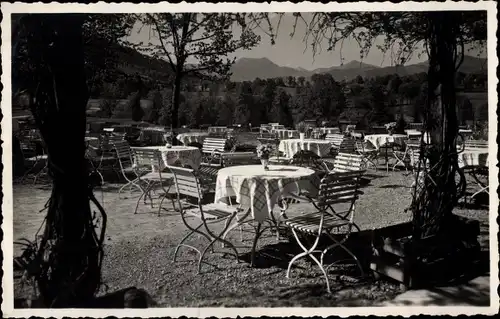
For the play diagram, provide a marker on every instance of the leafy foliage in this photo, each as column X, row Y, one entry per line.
column 205, row 37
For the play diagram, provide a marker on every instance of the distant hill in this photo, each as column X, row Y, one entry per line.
column 247, row 69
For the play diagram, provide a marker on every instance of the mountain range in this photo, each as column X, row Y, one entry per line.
column 248, row 69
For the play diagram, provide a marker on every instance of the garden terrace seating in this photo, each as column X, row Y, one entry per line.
column 189, row 189
column 335, row 139
column 345, row 162
column 416, row 126
column 103, row 157
column 476, row 144
column 327, row 219
column 369, row 154
column 33, row 153
column 126, row 161
column 212, row 148
column 419, row 164
column 146, row 160
column 348, row 145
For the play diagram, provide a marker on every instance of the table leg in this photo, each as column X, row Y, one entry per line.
column 257, row 235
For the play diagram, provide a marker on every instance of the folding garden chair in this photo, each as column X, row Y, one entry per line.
column 103, row 157
column 420, row 166
column 188, row 187
column 369, row 155
column 35, row 157
column 125, row 159
column 151, row 159
column 402, row 155
column 337, row 224
column 345, row 162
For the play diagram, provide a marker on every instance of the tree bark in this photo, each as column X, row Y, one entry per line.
column 69, row 252
column 176, row 100
column 433, row 207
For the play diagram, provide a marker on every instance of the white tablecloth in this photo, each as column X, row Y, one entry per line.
column 291, row 147
column 193, row 137
column 259, row 190
column 186, row 155
column 328, row 130
column 284, row 134
column 473, row 158
column 379, row 140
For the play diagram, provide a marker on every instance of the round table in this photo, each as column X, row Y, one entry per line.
column 193, row 137
column 474, row 158
column 259, row 190
column 186, row 155
column 379, row 140
column 291, row 147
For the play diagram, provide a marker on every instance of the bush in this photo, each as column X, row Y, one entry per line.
column 480, row 131
column 107, row 108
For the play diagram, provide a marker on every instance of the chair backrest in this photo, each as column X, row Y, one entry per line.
column 363, row 146
column 414, row 135
column 147, row 157
column 336, row 188
column 124, row 153
column 107, row 141
column 475, row 144
column 211, row 145
column 348, row 145
column 335, row 139
column 347, row 162
column 414, row 153
column 186, row 182
column 417, row 126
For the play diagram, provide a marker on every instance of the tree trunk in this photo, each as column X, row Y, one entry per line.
column 69, row 252
column 432, row 208
column 176, row 97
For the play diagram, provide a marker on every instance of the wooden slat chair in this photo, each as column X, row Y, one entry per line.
column 479, row 174
column 189, row 199
column 420, row 166
column 335, row 139
column 212, row 150
column 417, row 126
column 154, row 180
column 327, row 219
column 475, row 144
column 348, row 145
column 103, row 156
column 402, row 158
column 31, row 156
column 127, row 167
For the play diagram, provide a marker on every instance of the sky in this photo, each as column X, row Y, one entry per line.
column 293, row 51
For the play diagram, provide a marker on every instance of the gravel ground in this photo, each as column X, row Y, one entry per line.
column 139, row 250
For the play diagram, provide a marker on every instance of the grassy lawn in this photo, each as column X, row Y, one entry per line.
column 139, row 250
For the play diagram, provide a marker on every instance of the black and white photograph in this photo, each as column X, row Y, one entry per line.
column 249, row 159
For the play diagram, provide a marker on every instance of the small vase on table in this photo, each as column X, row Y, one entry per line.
column 302, row 136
